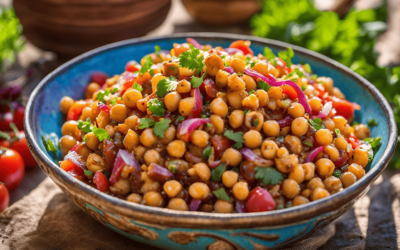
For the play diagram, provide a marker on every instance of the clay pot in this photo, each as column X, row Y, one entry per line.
column 222, row 12
column 71, row 27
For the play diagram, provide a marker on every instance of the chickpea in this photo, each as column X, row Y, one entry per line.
column 290, row 188
column 172, row 100
column 229, row 178
column 348, row 179
column 293, row 143
column 119, row 113
column 251, row 102
column 315, row 104
column 199, row 191
column 170, row 68
column 178, row 204
column 202, row 171
column 272, row 105
column 282, row 152
column 152, row 156
column 131, row 97
column 65, row 104
column 324, row 137
column 221, row 79
column 269, row 149
column 333, row 184
column 67, row 142
column 286, row 163
column 340, row 123
column 110, row 130
column 297, row 174
column 238, row 65
column 184, row 87
column 236, row 83
column 241, row 190
column 95, row 109
column 169, row 135
column 265, row 68
column 275, row 93
column 299, row 126
column 263, row 97
column 300, row 200
column 95, row 163
column 357, row 170
column 186, row 72
column 148, row 138
column 236, row 118
column 329, row 124
column 153, row 199
column 149, row 185
column 131, row 121
column 232, row 157
column 186, row 106
column 271, row 128
column 219, row 107
column 86, row 113
column 235, row 98
column 122, row 128
column 332, row 152
column 327, row 82
column 71, row 128
column 360, row 157
column 200, row 138
column 250, row 82
column 222, row 206
column 296, row 110
column 362, row 132
column 135, row 198
column 122, row 186
column 315, row 183
column 319, row 193
column 172, row 188
column 306, row 193
column 217, row 123
column 254, row 120
column 92, row 141
column 131, row 140
column 207, row 208
column 309, row 170
column 341, row 143
column 325, row 167
column 252, row 139
column 213, row 63
column 142, row 105
column 176, row 148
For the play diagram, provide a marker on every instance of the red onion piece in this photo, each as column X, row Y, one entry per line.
column 103, row 107
column 195, row 43
column 210, row 87
column 74, row 148
column 285, row 122
column 249, row 155
column 326, row 109
column 273, row 82
column 186, row 128
column 342, row 160
column 75, row 158
column 229, row 70
column 214, row 164
column 232, row 51
column 198, row 104
column 124, row 158
column 241, row 207
column 194, row 205
column 158, row 173
column 310, row 157
column 127, row 76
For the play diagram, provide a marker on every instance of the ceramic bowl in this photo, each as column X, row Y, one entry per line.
column 170, row 229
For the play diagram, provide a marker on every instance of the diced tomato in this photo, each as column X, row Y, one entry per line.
column 210, row 87
column 260, row 200
column 180, row 48
column 343, row 107
column 73, row 170
column 355, row 143
column 76, row 110
column 244, row 46
column 99, row 77
column 281, row 67
column 289, row 91
column 127, row 85
column 132, row 66
column 101, row 181
column 220, row 144
column 110, row 153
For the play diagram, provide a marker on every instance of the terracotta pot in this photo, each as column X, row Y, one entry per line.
column 222, row 12
column 71, row 27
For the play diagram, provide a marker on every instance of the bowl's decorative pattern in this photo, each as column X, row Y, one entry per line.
column 170, row 229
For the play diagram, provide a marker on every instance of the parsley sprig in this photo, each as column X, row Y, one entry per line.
column 100, row 96
column 271, row 57
column 268, row 175
column 159, row 127
column 156, row 107
column 316, row 123
column 263, row 85
column 287, row 56
column 137, row 86
column 236, row 137
column 87, row 127
column 165, row 85
column 147, row 65
column 221, row 194
column 192, row 60
column 216, row 174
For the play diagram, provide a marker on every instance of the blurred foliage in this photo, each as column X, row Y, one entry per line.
column 10, row 37
column 349, row 40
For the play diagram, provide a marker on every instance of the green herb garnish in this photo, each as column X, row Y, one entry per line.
column 268, row 175
column 221, row 194
column 236, row 137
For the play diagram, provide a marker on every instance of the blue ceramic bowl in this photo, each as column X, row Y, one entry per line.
column 170, row 229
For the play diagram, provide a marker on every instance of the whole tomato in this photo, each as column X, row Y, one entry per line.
column 5, row 120
column 12, row 168
column 260, row 200
column 18, row 118
column 4, row 197
column 22, row 148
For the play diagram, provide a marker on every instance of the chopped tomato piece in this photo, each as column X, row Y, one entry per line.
column 244, row 46
column 260, row 200
column 127, row 85
column 220, row 144
column 355, row 143
column 132, row 66
column 73, row 170
column 101, row 181
column 76, row 110
column 343, row 107
column 289, row 91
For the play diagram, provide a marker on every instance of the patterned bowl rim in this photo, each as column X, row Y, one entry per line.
column 215, row 220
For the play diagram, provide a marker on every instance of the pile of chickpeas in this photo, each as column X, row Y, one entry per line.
column 238, row 105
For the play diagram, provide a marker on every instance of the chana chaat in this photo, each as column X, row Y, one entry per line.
column 198, row 128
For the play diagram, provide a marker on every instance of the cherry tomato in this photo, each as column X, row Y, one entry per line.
column 72, row 169
column 75, row 110
column 12, row 168
column 244, row 46
column 289, row 91
column 5, row 120
column 220, row 144
column 4, row 197
column 22, row 148
column 101, row 181
column 99, row 77
column 19, row 117
column 260, row 200
column 4, row 143
column 132, row 66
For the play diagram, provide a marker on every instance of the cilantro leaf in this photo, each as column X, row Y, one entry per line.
column 271, row 57
column 216, row 173
column 307, row 143
column 157, row 50
column 316, row 123
column 100, row 96
column 236, row 137
column 263, row 85
column 113, row 101
column 146, row 123
column 48, row 145
column 88, row 173
column 307, row 68
column 146, row 66
column 160, row 127
column 165, row 85
column 207, row 152
column 268, row 175
column 337, row 173
column 246, row 111
column 101, row 134
column 298, row 72
column 287, row 56
column 156, row 107
column 221, row 194
column 251, row 92
column 180, row 119
column 137, row 86
column 85, row 126
column 337, row 131
column 374, row 142
column 191, row 59
column 372, row 123
column 197, row 81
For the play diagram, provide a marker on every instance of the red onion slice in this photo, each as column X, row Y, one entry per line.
column 103, row 107
column 251, row 156
column 194, row 205
column 195, row 43
column 326, row 109
column 75, row 158
column 74, row 148
column 229, row 70
column 310, row 157
column 241, row 207
column 342, row 160
column 273, row 82
column 198, row 104
column 186, row 128
column 232, row 51
column 124, row 158
column 158, row 173
column 285, row 122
